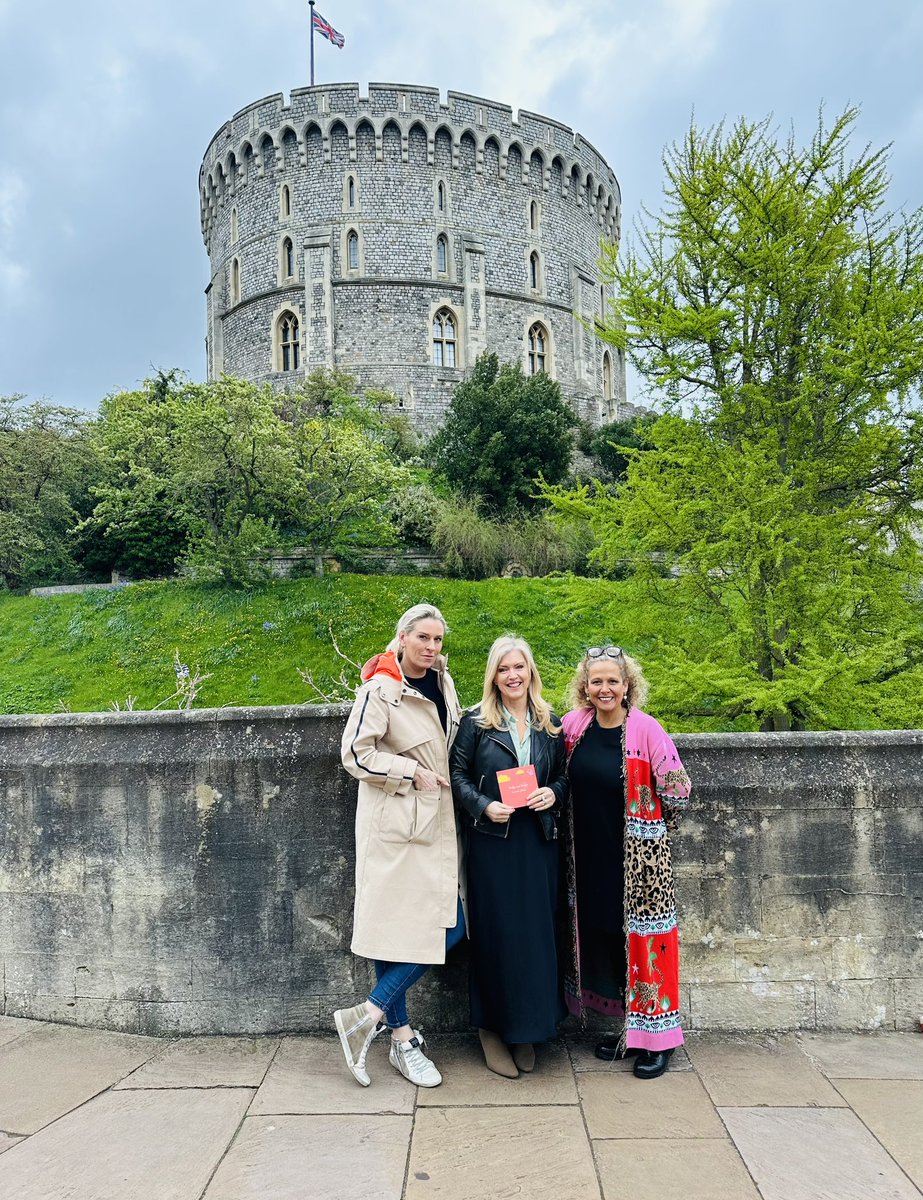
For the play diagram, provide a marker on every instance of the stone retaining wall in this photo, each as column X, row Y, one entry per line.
column 191, row 873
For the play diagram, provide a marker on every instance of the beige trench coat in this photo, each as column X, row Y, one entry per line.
column 407, row 849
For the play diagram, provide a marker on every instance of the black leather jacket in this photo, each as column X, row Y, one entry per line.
column 478, row 754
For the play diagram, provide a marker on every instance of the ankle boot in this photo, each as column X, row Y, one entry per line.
column 523, row 1056
column 497, row 1055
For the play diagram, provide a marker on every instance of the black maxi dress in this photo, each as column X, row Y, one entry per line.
column 513, row 890
column 598, row 805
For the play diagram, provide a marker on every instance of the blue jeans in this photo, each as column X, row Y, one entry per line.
column 390, row 993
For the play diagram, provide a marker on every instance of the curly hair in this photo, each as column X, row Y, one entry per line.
column 637, row 689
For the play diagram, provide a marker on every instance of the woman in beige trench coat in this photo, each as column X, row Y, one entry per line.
column 407, row 911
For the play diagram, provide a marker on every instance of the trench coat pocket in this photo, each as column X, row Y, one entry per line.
column 411, row 818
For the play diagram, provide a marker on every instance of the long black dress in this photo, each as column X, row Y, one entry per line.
column 598, row 800
column 512, row 901
column 513, row 886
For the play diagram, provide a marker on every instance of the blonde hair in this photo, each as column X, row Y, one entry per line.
column 491, row 705
column 635, row 684
column 410, row 620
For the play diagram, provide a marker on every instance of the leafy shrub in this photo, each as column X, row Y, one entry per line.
column 416, row 512
column 473, row 546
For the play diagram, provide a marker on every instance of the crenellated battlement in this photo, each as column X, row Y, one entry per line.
column 256, row 139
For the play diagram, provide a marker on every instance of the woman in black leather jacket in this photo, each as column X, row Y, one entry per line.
column 513, row 867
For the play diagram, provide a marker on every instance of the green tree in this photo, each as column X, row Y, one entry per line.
column 779, row 301
column 612, row 445
column 138, row 525
column 502, row 431
column 47, row 464
column 232, row 470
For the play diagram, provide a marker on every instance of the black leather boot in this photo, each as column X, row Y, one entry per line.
column 607, row 1049
column 652, row 1063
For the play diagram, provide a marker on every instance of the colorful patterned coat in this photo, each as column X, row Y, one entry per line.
column 656, row 792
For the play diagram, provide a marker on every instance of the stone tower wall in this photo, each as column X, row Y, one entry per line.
column 399, row 144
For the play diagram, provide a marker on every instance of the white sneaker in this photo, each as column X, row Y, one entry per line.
column 357, row 1029
column 409, row 1059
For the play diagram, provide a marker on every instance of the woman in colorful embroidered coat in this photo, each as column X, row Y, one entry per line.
column 628, row 789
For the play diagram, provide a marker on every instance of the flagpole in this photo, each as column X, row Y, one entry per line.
column 311, row 2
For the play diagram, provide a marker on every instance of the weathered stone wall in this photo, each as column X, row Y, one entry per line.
column 173, row 872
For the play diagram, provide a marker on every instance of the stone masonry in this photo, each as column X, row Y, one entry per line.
column 329, row 211
column 169, row 872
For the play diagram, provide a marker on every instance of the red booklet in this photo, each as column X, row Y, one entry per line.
column 517, row 785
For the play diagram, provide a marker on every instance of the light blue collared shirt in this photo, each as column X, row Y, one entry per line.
column 522, row 746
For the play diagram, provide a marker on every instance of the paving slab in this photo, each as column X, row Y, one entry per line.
column 206, row 1062
column 673, row 1106
column 755, row 1071
column 55, row 1068
column 7, row 1140
column 867, row 1056
column 893, row 1110
column 583, row 1058
column 814, row 1154
column 472, row 1153
column 665, row 1169
column 324, row 1158
column 309, row 1075
column 466, row 1080
column 159, row 1145
column 13, row 1028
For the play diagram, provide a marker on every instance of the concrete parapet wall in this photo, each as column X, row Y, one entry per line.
column 192, row 872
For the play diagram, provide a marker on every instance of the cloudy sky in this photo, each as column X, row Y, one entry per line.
column 106, row 110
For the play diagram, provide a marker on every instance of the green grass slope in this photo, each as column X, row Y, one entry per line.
column 88, row 652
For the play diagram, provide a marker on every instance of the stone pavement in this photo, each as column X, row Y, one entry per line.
column 88, row 1115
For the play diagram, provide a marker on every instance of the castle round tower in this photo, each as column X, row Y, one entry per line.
column 399, row 237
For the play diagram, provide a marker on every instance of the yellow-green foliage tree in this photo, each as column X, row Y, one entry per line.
column 778, row 305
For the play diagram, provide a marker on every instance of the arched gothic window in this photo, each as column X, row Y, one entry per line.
column 535, row 271
column 440, row 196
column 442, row 254
column 234, row 225
column 538, row 348
column 445, row 336
column 533, row 215
column 235, row 281
column 607, row 378
column 285, row 201
column 351, row 192
column 288, row 258
column 289, row 342
column 352, row 250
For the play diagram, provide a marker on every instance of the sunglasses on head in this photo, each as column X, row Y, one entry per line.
column 605, row 652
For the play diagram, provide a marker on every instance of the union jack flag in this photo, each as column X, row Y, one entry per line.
column 327, row 30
